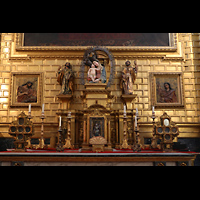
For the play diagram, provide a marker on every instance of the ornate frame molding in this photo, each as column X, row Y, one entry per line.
column 19, row 38
column 171, row 52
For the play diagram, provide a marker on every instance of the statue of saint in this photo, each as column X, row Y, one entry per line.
column 64, row 78
column 128, row 77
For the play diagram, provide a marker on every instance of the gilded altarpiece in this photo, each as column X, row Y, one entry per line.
column 94, row 100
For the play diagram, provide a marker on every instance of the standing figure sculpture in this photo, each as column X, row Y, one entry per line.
column 96, row 130
column 64, row 78
column 128, row 77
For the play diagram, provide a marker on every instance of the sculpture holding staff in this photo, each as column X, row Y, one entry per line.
column 128, row 77
column 64, row 78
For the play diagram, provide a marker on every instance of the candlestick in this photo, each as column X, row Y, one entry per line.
column 59, row 146
column 154, row 139
column 125, row 140
column 41, row 144
column 68, row 144
column 137, row 146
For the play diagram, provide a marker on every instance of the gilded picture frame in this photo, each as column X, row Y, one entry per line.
column 26, row 88
column 167, row 89
column 19, row 51
column 19, row 40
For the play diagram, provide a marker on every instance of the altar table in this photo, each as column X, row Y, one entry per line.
column 111, row 158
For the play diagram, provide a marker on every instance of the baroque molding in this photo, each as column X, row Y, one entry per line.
column 26, row 53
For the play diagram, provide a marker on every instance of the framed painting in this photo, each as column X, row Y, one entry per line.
column 167, row 89
column 96, row 39
column 81, row 41
column 26, row 88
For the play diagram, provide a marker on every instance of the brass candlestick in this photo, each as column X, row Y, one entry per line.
column 41, row 144
column 137, row 145
column 29, row 145
column 29, row 116
column 60, row 143
column 68, row 144
column 154, row 139
column 125, row 143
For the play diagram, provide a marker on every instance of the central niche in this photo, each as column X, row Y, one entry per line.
column 96, row 126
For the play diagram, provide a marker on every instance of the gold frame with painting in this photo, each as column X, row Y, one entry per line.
column 26, row 88
column 20, row 40
column 167, row 89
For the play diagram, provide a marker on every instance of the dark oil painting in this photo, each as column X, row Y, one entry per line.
column 167, row 90
column 96, row 39
column 27, row 89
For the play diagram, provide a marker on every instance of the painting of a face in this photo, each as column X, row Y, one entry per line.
column 26, row 89
column 167, row 90
column 166, row 86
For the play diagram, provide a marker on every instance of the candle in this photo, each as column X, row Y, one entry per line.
column 124, row 108
column 136, row 111
column 29, row 109
column 153, row 110
column 43, row 108
column 60, row 122
column 135, row 121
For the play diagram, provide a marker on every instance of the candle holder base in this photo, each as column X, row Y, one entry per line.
column 68, row 144
column 125, row 145
column 137, row 145
column 41, row 144
column 60, row 143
